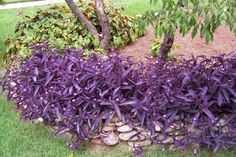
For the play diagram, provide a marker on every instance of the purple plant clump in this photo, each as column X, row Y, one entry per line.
column 199, row 96
column 196, row 98
column 69, row 90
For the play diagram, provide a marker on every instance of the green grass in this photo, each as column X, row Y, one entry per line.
column 8, row 22
column 16, row 1
column 22, row 139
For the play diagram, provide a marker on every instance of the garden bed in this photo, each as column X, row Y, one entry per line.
column 189, row 102
column 224, row 42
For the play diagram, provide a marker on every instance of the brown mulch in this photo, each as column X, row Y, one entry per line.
column 224, row 42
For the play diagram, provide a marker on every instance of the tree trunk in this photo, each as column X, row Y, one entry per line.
column 79, row 14
column 166, row 45
column 168, row 40
column 104, row 22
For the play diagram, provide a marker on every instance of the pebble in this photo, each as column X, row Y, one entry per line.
column 158, row 127
column 12, row 84
column 225, row 129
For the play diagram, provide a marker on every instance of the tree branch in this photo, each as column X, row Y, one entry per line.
column 79, row 14
column 104, row 22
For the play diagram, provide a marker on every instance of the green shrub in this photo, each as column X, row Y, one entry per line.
column 60, row 28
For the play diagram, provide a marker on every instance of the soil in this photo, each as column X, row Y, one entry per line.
column 224, row 42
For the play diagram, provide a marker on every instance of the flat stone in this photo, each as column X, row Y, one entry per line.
column 179, row 137
column 115, row 119
column 168, row 140
column 176, row 133
column 146, row 133
column 97, row 141
column 124, row 128
column 194, row 130
column 111, row 139
column 173, row 148
column 140, row 143
column 57, row 120
column 111, row 124
column 12, row 84
column 139, row 137
column 127, row 135
column 118, row 124
column 38, row 120
column 170, row 130
column 108, row 128
column 138, row 128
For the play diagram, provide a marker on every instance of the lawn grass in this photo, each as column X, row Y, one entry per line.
column 15, row 1
column 22, row 139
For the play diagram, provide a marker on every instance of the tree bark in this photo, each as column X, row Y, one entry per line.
column 166, row 45
column 79, row 14
column 104, row 22
column 168, row 40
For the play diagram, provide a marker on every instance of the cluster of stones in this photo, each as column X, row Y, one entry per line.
column 117, row 131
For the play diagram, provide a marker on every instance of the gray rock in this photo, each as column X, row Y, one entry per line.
column 115, row 119
column 111, row 124
column 179, row 137
column 168, row 140
column 127, row 135
column 139, row 137
column 194, row 130
column 146, row 133
column 108, row 128
column 111, row 139
column 124, row 128
column 118, row 124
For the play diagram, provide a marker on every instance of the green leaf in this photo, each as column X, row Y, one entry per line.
column 194, row 32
